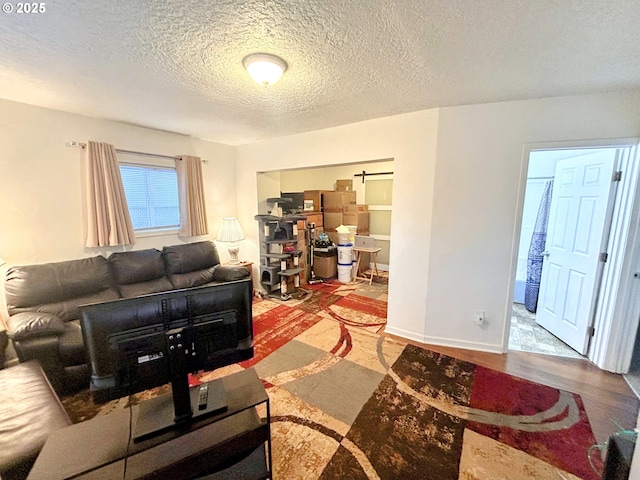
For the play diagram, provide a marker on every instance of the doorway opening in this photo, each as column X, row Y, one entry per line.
column 527, row 336
column 570, row 201
column 367, row 212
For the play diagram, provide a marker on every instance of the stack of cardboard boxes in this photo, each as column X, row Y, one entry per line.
column 333, row 204
column 337, row 207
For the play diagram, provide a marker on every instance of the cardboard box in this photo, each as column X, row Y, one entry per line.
column 361, row 220
column 314, row 217
column 334, row 201
column 344, row 185
column 355, row 208
column 304, row 275
column 332, row 220
column 357, row 215
column 325, row 265
column 313, row 200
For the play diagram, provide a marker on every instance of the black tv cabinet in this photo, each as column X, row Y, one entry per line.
column 218, row 446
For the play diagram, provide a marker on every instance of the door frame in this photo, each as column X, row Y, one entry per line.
column 618, row 304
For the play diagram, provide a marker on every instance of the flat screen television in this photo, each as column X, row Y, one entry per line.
column 138, row 343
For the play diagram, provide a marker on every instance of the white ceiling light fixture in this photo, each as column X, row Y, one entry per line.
column 264, row 68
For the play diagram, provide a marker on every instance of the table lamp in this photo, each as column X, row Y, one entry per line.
column 231, row 233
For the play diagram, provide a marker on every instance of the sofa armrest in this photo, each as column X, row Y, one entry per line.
column 24, row 325
column 229, row 273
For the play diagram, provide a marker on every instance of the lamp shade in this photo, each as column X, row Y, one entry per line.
column 230, row 230
column 264, row 68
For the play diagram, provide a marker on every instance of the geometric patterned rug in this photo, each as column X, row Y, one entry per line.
column 349, row 403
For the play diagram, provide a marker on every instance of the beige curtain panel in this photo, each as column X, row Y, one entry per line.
column 193, row 215
column 108, row 220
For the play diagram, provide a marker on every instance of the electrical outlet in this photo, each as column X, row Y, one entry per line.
column 479, row 317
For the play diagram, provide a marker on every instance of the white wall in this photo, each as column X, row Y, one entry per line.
column 478, row 197
column 41, row 207
column 408, row 139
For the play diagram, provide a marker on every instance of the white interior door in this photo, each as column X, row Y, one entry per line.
column 579, row 221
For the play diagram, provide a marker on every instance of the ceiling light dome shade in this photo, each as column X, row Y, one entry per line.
column 264, row 68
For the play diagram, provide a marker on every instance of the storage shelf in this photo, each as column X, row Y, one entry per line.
column 290, row 272
column 279, row 256
column 280, row 265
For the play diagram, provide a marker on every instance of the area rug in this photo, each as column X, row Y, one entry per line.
column 350, row 403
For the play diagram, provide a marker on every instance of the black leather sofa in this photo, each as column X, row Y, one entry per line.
column 43, row 300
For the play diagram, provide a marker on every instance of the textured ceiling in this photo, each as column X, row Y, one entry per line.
column 177, row 65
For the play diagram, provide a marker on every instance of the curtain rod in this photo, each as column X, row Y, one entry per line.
column 365, row 174
column 73, row 143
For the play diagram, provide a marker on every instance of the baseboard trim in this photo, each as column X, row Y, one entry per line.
column 480, row 347
column 633, row 380
column 409, row 335
column 444, row 342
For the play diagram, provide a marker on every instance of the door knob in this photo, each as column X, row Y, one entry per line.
column 545, row 253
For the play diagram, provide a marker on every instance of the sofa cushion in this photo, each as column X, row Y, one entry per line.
column 33, row 324
column 191, row 264
column 139, row 272
column 58, row 288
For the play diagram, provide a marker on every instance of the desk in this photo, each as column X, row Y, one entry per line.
column 96, row 449
column 374, row 259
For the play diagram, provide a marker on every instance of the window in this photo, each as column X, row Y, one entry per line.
column 152, row 196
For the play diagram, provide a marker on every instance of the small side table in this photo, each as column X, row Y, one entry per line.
column 374, row 259
column 247, row 265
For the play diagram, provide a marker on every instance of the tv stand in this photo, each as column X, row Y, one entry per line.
column 235, row 443
column 183, row 403
column 157, row 414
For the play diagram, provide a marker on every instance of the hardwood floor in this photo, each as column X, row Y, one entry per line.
column 607, row 397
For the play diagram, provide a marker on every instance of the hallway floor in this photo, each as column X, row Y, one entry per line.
column 527, row 336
